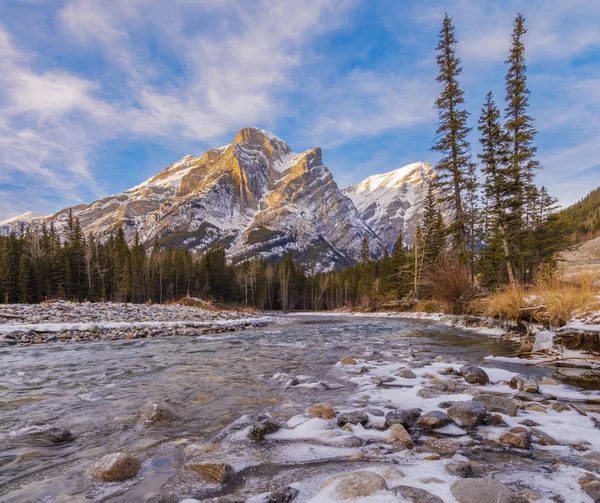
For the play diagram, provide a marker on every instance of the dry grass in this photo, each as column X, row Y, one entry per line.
column 505, row 304
column 550, row 300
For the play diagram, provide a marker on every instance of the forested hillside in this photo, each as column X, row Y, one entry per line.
column 583, row 218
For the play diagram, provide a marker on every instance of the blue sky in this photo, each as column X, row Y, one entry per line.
column 98, row 95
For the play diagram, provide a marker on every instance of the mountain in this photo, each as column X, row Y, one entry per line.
column 393, row 201
column 254, row 196
column 26, row 217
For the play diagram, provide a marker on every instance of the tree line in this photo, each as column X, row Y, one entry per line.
column 476, row 232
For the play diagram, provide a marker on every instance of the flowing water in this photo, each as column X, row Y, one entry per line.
column 96, row 389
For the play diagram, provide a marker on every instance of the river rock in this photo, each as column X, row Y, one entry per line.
column 543, row 438
column 495, row 403
column 284, row 496
column 398, row 434
column 157, row 414
column 524, row 385
column 459, row 466
column 434, row 419
column 215, row 473
column 322, row 410
column 535, row 407
column 429, row 393
column 474, row 374
column 347, row 360
column 468, row 414
column 264, row 425
column 494, row 420
column 590, row 484
column 43, row 435
column 484, row 491
column 353, row 485
column 116, row 467
column 517, row 439
column 416, row 495
column 406, row 373
column 405, row 417
column 291, row 383
column 355, row 417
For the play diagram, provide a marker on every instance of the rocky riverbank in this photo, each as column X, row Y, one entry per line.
column 392, row 421
column 415, row 430
column 63, row 321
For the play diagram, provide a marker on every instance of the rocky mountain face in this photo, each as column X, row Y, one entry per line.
column 254, row 196
column 393, row 201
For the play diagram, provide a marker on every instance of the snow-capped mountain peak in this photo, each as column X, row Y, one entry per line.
column 26, row 217
column 253, row 196
column 393, row 201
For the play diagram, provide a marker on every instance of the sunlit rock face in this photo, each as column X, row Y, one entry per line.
column 393, row 201
column 254, row 196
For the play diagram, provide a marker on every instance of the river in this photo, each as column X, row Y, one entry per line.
column 95, row 390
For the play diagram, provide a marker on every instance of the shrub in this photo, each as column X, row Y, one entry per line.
column 449, row 282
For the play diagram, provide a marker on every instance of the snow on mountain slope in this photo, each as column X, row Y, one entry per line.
column 254, row 196
column 28, row 216
column 393, row 200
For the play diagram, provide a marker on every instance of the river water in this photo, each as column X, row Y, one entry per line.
column 96, row 389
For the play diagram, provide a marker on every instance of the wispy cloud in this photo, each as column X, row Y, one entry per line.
column 232, row 69
column 367, row 103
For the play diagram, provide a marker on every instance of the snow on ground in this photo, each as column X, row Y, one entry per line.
column 368, row 445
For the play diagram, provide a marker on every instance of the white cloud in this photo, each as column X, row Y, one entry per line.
column 233, row 68
column 366, row 103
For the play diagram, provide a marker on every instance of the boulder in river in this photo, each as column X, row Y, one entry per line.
column 460, row 466
column 474, row 374
column 468, row 414
column 43, row 435
column 516, row 438
column 405, row 417
column 215, row 473
column 264, row 425
column 434, row 419
column 116, row 467
column 590, row 484
column 524, row 385
column 484, row 490
column 495, row 403
column 355, row 417
column 283, row 496
column 157, row 414
column 406, row 373
column 322, row 410
column 415, row 495
column 353, row 485
column 399, row 435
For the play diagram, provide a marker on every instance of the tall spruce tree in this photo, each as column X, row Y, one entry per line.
column 494, row 157
column 521, row 133
column 451, row 135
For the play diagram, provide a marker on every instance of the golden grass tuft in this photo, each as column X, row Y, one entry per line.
column 550, row 300
column 505, row 304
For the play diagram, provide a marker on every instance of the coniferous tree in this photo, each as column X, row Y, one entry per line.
column 400, row 267
column 433, row 231
column 521, row 161
column 451, row 135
